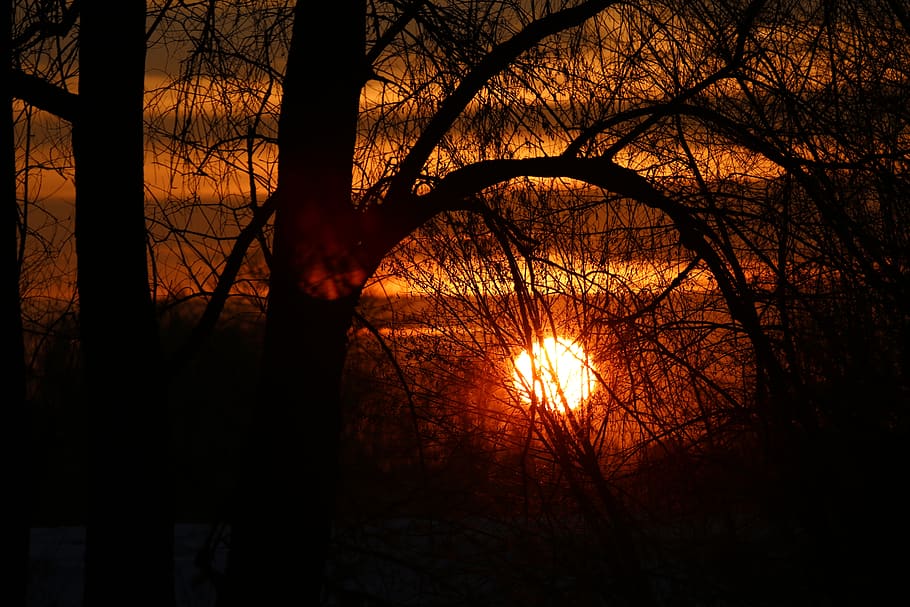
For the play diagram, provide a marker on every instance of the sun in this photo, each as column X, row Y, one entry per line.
column 559, row 370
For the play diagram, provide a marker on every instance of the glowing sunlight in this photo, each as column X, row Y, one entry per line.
column 558, row 370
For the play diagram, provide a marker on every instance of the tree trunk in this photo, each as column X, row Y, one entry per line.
column 14, row 534
column 280, row 537
column 129, row 527
column 282, row 525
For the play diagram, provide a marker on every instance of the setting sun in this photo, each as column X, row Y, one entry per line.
column 559, row 370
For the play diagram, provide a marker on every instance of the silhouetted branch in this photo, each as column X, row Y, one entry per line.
column 219, row 296
column 401, row 378
column 497, row 60
column 44, row 28
column 43, row 95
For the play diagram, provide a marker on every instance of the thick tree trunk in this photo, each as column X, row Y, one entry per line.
column 14, row 533
column 280, row 536
column 282, row 525
column 129, row 530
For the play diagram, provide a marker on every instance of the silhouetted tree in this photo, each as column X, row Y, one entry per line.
column 129, row 469
column 15, row 534
column 325, row 249
column 129, row 545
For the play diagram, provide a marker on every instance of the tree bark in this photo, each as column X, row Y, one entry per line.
column 129, row 527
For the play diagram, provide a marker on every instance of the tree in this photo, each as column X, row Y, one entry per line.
column 15, row 534
column 129, row 471
column 325, row 250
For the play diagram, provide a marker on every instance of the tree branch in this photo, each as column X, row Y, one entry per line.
column 43, row 28
column 43, row 95
column 496, row 61
column 694, row 234
column 215, row 306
